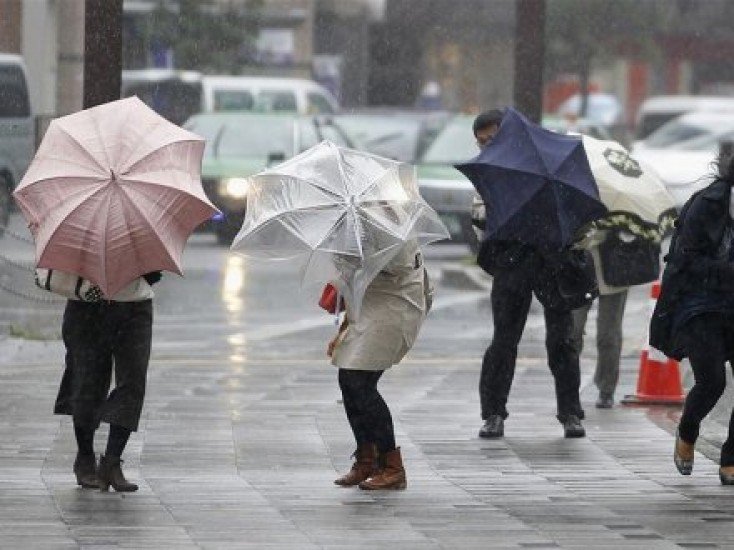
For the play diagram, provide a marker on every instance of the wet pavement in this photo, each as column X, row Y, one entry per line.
column 243, row 434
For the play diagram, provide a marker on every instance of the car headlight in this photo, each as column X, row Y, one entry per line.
column 235, row 188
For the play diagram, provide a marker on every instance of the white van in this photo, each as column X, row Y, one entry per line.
column 656, row 111
column 266, row 94
column 17, row 140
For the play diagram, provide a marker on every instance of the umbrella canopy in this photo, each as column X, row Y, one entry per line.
column 340, row 213
column 537, row 184
column 113, row 193
column 632, row 191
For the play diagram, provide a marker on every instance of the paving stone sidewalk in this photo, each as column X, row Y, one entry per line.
column 242, row 455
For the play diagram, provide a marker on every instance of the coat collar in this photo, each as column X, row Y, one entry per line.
column 719, row 190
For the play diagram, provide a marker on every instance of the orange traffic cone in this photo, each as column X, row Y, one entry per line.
column 658, row 382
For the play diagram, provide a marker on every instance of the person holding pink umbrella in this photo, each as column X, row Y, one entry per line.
column 111, row 197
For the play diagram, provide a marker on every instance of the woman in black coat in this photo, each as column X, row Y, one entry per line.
column 698, row 307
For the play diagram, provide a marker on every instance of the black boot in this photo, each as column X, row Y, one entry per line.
column 110, row 473
column 572, row 427
column 85, row 469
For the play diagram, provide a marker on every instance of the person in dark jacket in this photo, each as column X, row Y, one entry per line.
column 519, row 271
column 102, row 336
column 698, row 303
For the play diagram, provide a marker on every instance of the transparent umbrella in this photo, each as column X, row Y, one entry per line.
column 341, row 214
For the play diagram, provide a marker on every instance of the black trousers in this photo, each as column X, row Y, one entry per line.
column 512, row 293
column 709, row 341
column 366, row 410
column 100, row 337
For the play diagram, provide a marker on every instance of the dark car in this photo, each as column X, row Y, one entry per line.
column 239, row 145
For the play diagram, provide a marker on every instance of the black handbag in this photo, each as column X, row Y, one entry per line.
column 629, row 263
column 567, row 281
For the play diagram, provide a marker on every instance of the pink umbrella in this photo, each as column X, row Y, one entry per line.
column 113, row 193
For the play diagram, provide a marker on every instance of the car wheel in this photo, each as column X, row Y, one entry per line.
column 5, row 204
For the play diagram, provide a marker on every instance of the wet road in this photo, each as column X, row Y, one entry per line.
column 243, row 434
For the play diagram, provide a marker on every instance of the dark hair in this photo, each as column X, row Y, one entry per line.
column 725, row 162
column 492, row 117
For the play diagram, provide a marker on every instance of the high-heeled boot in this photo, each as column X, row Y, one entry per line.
column 391, row 476
column 365, row 462
column 85, row 469
column 110, row 473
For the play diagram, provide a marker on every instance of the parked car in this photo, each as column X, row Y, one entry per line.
column 239, row 145
column 266, row 94
column 177, row 95
column 447, row 190
column 399, row 135
column 659, row 110
column 683, row 150
column 17, row 140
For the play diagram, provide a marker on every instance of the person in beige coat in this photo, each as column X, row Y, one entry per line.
column 395, row 304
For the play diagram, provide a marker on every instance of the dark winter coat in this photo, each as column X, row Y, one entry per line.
column 693, row 265
column 561, row 280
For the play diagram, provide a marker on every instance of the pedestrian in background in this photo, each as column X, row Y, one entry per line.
column 694, row 316
column 610, row 314
column 102, row 336
column 395, row 304
column 520, row 270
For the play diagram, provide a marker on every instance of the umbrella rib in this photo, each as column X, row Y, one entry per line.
column 376, row 179
column 82, row 148
column 303, row 180
column 134, row 164
column 128, row 179
column 131, row 202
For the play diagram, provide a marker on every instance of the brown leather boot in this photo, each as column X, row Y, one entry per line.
column 365, row 465
column 391, row 476
column 726, row 475
column 110, row 473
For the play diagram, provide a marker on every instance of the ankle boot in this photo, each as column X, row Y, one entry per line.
column 365, row 462
column 391, row 476
column 85, row 469
column 110, row 473
column 726, row 475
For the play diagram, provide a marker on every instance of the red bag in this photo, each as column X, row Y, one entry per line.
column 328, row 299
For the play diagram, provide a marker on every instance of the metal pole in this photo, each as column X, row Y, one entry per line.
column 102, row 51
column 529, row 57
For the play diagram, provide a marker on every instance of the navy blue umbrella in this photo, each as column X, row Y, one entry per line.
column 536, row 184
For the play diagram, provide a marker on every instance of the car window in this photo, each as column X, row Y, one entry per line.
column 674, row 132
column 233, row 100
column 708, row 142
column 276, row 100
column 454, row 144
column 245, row 137
column 652, row 121
column 14, row 101
column 318, row 104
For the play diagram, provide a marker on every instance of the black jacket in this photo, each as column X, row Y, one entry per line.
column 562, row 279
column 693, row 263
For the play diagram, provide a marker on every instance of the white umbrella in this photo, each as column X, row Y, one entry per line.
column 632, row 191
column 340, row 213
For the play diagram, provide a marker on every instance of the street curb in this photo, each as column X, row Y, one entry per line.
column 466, row 278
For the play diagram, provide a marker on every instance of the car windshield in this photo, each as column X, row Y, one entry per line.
column 455, row 143
column 244, row 136
column 386, row 136
column 673, row 132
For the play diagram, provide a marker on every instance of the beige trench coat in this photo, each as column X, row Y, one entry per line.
column 394, row 307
